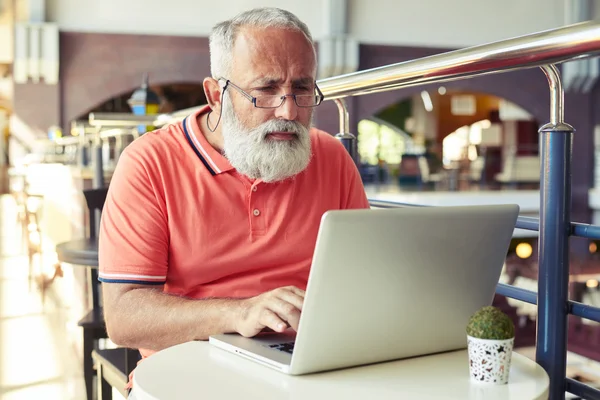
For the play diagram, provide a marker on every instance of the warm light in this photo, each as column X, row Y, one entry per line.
column 475, row 134
column 524, row 250
column 592, row 283
column 593, row 247
column 455, row 145
column 34, row 237
column 442, row 90
column 427, row 103
column 472, row 153
column 485, row 123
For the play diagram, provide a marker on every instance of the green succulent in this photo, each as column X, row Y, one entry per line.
column 490, row 323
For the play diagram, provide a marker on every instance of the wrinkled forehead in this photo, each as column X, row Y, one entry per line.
column 273, row 53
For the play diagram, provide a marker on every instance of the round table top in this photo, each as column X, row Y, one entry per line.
column 199, row 370
column 78, row 252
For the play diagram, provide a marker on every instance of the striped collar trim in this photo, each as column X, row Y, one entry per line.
column 215, row 162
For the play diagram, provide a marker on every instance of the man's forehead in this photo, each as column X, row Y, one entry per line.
column 262, row 57
column 249, row 39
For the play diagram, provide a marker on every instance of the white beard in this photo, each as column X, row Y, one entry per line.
column 252, row 154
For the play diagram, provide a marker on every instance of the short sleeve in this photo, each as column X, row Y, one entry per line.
column 134, row 238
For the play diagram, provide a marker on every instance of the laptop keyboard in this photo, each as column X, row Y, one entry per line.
column 285, row 347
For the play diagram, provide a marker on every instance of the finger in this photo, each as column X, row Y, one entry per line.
column 286, row 311
column 296, row 290
column 271, row 320
column 291, row 298
column 293, row 321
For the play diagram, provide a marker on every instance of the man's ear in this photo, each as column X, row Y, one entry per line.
column 212, row 90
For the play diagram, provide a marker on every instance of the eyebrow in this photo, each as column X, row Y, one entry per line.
column 266, row 81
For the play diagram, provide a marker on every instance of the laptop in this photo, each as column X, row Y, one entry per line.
column 387, row 284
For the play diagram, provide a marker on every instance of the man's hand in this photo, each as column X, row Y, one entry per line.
column 276, row 310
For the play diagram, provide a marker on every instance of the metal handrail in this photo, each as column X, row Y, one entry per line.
column 118, row 132
column 67, row 141
column 528, row 51
column 119, row 119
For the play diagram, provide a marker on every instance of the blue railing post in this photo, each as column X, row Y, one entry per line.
column 555, row 206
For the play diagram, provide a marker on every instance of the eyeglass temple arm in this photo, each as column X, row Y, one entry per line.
column 239, row 89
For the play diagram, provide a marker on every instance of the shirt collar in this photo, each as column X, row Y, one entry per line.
column 214, row 161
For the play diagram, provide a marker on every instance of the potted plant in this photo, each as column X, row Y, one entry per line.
column 490, row 339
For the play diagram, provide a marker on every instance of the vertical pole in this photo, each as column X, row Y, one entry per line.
column 98, row 178
column 119, row 147
column 82, row 160
column 345, row 137
column 344, row 115
column 555, row 206
column 98, row 181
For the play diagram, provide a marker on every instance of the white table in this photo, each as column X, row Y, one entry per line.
column 197, row 370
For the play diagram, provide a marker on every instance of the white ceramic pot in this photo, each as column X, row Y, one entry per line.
column 489, row 360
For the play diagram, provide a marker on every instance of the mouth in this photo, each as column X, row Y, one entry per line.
column 282, row 135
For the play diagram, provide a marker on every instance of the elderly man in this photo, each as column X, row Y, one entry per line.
column 210, row 224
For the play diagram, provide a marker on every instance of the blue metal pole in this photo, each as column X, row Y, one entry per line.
column 556, row 142
column 525, row 295
column 555, row 206
column 349, row 142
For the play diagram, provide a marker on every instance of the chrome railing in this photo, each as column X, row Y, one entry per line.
column 542, row 50
column 535, row 50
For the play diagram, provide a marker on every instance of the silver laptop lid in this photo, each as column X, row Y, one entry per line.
column 396, row 283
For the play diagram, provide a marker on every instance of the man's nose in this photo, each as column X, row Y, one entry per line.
column 288, row 110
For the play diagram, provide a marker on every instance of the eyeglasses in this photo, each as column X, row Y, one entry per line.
column 276, row 100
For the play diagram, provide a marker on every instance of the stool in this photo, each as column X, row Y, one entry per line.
column 84, row 252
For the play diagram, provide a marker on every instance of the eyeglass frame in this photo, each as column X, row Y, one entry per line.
column 283, row 98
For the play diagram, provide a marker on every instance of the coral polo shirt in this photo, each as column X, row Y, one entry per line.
column 179, row 215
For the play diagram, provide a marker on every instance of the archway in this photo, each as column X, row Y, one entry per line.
column 478, row 137
column 119, row 63
column 173, row 96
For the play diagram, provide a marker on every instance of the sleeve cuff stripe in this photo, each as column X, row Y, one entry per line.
column 131, row 281
column 133, row 276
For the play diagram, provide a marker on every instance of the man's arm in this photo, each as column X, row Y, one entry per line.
column 134, row 258
column 139, row 316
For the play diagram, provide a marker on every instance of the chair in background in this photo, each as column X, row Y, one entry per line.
column 84, row 252
column 520, row 170
column 28, row 207
column 427, row 177
column 113, row 367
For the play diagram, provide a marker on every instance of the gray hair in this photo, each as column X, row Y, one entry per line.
column 223, row 35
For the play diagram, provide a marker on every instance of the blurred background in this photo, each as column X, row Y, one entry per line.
column 75, row 75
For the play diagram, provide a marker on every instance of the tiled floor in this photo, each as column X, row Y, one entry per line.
column 36, row 359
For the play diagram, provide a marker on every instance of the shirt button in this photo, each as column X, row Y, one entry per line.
column 254, row 188
column 256, row 212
